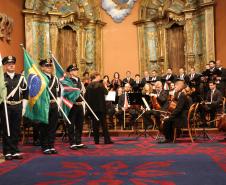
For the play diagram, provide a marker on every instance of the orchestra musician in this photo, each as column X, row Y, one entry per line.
column 86, row 78
column 146, row 78
column 116, row 82
column 178, row 117
column 213, row 103
column 183, row 76
column 158, row 103
column 154, row 77
column 137, row 86
column 124, row 105
column 128, row 79
column 168, row 79
column 221, row 78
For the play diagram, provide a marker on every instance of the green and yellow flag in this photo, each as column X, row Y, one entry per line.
column 38, row 99
column 3, row 90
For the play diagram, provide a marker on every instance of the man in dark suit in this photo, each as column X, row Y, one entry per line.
column 214, row 101
column 137, row 86
column 124, row 105
column 128, row 79
column 146, row 78
column 154, row 77
column 221, row 78
column 183, row 76
column 76, row 115
column 178, row 118
column 168, row 79
column 95, row 97
column 162, row 99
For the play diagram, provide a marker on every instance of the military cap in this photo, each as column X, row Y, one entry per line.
column 45, row 62
column 72, row 67
column 9, row 59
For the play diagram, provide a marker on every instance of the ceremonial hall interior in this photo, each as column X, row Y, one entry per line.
column 112, row 92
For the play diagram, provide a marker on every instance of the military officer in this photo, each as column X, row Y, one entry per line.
column 16, row 92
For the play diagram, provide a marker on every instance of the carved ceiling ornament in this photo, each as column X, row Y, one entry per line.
column 6, row 27
column 118, row 9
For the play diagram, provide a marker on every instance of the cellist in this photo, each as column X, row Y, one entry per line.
column 159, row 103
column 178, row 117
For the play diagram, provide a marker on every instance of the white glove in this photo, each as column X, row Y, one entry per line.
column 24, row 104
column 59, row 102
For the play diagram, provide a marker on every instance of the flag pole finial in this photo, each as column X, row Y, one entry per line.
column 22, row 45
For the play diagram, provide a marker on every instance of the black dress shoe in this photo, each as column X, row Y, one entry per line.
column 79, row 146
column 17, row 156
column 53, row 151
column 8, row 157
column 47, row 152
column 73, row 147
column 109, row 142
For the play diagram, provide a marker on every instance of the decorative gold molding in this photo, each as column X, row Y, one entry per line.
column 198, row 23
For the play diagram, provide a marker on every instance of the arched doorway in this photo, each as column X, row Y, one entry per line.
column 175, row 49
column 67, row 46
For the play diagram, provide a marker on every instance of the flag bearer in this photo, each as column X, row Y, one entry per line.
column 76, row 114
column 16, row 92
column 48, row 131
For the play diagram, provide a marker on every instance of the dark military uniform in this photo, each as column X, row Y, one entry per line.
column 48, row 131
column 14, row 109
column 76, row 116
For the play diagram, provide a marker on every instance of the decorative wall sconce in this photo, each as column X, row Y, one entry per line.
column 6, row 27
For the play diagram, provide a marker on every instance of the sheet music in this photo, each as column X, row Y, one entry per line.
column 111, row 96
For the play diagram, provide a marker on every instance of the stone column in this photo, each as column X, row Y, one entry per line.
column 54, row 33
column 209, row 30
column 189, row 40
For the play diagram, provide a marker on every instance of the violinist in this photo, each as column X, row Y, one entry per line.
column 159, row 104
column 178, row 117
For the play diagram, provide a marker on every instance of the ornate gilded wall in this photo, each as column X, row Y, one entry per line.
column 156, row 16
column 45, row 18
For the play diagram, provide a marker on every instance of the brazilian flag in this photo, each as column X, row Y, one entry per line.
column 38, row 98
column 70, row 92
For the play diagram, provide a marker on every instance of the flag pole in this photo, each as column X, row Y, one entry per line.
column 80, row 94
column 89, row 107
column 7, row 118
column 59, row 106
column 5, row 107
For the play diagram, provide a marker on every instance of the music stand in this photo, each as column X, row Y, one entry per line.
column 136, row 99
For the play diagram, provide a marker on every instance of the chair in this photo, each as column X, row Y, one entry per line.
column 189, row 129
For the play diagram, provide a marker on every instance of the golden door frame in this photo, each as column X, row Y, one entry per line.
column 155, row 17
column 44, row 20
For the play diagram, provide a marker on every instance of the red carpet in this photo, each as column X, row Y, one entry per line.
column 128, row 161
